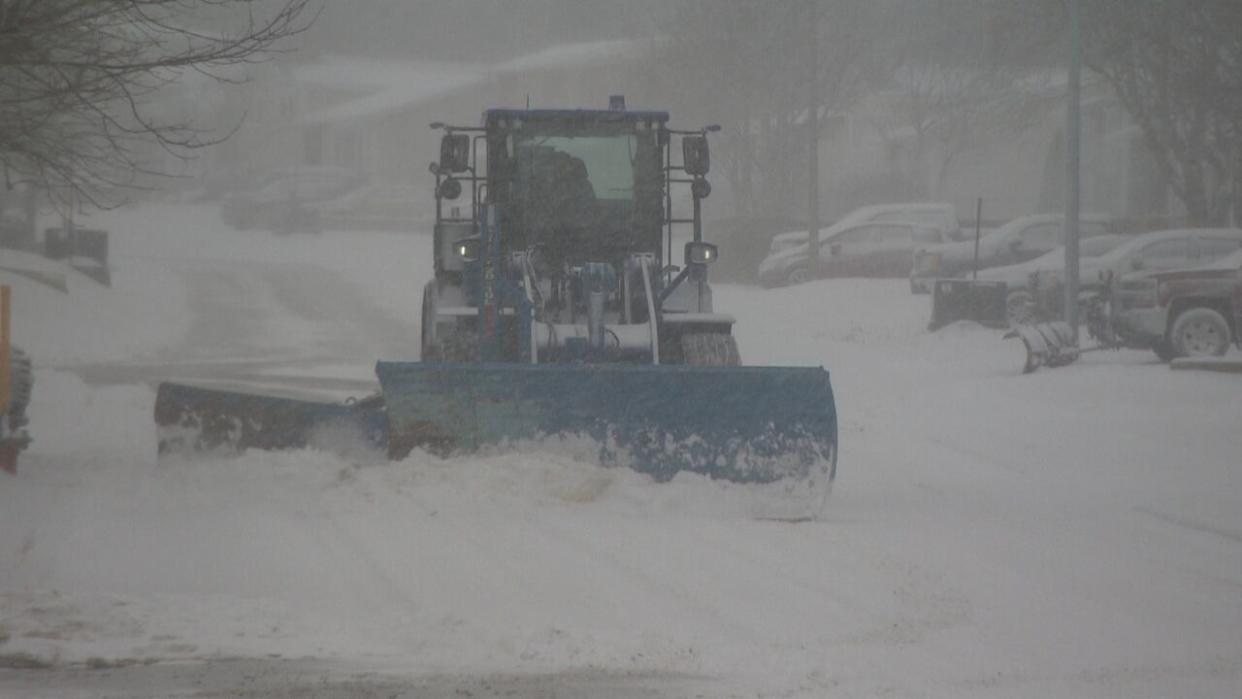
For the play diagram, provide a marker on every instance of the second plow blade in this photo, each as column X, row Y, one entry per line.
column 1047, row 344
column 740, row 424
column 192, row 419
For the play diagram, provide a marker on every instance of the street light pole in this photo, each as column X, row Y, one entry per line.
column 812, row 125
column 1073, row 128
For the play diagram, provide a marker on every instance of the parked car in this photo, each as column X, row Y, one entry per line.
column 869, row 249
column 1156, row 251
column 941, row 217
column 745, row 242
column 294, row 200
column 1019, row 240
column 1019, row 302
column 1181, row 313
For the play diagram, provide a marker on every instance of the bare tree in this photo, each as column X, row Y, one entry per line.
column 744, row 64
column 78, row 80
column 962, row 72
column 1175, row 67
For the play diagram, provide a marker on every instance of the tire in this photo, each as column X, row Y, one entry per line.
column 456, row 346
column 798, row 275
column 427, row 337
column 710, row 349
column 1199, row 332
column 1020, row 308
column 460, row 347
column 1163, row 350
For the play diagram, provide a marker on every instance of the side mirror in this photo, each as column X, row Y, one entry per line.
column 454, row 152
column 700, row 253
column 695, row 155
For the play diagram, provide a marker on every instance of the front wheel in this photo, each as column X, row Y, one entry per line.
column 1200, row 332
column 428, row 318
column 798, row 275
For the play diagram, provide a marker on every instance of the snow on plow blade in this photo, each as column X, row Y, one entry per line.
column 743, row 424
column 1047, row 344
column 192, row 419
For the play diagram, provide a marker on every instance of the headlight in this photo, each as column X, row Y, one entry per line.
column 467, row 249
column 700, row 253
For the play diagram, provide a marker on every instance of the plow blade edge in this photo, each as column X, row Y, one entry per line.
column 743, row 424
column 203, row 419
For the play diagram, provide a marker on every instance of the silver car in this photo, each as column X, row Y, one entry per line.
column 1019, row 240
column 1160, row 250
column 1019, row 302
column 871, row 249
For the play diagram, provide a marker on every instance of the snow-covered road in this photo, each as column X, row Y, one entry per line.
column 1071, row 533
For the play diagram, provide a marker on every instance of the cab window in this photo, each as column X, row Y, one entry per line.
column 1165, row 254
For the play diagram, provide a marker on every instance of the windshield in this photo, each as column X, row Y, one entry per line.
column 604, row 164
column 1087, row 247
column 1122, row 251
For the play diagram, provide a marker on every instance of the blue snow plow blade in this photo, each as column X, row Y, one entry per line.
column 742, row 424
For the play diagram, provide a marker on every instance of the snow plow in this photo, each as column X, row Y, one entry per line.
column 554, row 317
column 955, row 300
column 1052, row 344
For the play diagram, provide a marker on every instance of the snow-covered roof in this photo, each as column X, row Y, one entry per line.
column 397, row 86
column 577, row 54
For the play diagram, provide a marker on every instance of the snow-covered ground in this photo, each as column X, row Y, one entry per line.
column 1075, row 532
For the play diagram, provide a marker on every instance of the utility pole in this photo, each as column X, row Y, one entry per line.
column 1073, row 128
column 812, row 126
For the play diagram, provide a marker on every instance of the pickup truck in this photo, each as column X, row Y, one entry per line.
column 1158, row 251
column 1181, row 313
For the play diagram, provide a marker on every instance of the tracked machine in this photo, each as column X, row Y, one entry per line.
column 555, row 316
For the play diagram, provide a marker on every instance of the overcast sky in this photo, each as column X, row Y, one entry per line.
column 467, row 30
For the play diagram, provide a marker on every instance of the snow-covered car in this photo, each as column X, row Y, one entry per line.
column 942, row 217
column 1181, row 313
column 1019, row 302
column 294, row 200
column 1019, row 240
column 745, row 242
column 1182, row 248
column 869, row 249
